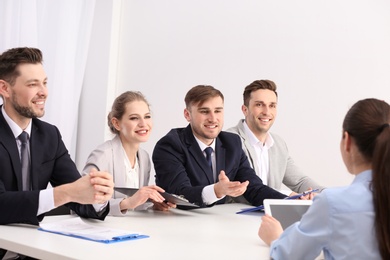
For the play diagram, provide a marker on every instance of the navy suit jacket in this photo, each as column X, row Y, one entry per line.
column 182, row 169
column 50, row 163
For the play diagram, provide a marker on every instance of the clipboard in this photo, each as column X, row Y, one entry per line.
column 301, row 194
column 77, row 228
column 173, row 198
column 258, row 208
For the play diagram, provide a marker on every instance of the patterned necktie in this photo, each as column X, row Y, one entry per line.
column 25, row 160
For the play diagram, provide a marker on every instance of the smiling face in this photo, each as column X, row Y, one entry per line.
column 207, row 119
column 136, row 123
column 26, row 98
column 261, row 112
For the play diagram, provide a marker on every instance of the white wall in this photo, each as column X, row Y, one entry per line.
column 323, row 55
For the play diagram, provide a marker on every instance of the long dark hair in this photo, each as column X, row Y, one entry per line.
column 368, row 122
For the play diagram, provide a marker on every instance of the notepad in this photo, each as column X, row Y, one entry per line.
column 76, row 227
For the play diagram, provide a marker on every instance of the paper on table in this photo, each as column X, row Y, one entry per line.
column 76, row 227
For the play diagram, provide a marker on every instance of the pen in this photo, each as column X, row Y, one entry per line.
column 301, row 194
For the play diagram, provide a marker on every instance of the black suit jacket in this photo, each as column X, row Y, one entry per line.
column 50, row 163
column 182, row 169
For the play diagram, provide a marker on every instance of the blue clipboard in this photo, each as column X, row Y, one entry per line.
column 105, row 241
column 78, row 228
column 258, row 208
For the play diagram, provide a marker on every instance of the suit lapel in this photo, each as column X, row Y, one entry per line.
column 142, row 164
column 248, row 146
column 7, row 140
column 220, row 157
column 36, row 154
column 272, row 163
column 197, row 154
column 118, row 162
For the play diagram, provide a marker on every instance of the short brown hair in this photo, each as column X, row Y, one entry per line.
column 201, row 93
column 10, row 59
column 258, row 84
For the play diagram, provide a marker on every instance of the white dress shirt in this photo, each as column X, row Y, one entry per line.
column 261, row 150
column 132, row 176
column 208, row 193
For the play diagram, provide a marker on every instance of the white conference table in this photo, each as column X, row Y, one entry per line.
column 206, row 233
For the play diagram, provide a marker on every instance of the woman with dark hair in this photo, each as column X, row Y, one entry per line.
column 130, row 121
column 350, row 222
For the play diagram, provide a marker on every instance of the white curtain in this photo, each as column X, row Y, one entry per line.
column 61, row 29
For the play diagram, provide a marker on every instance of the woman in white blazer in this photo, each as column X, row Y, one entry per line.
column 131, row 122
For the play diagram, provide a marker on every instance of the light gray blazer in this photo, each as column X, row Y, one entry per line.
column 282, row 168
column 109, row 157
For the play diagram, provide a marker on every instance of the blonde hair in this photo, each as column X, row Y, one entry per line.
column 119, row 106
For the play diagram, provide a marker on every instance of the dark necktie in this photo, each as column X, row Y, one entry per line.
column 208, row 152
column 25, row 160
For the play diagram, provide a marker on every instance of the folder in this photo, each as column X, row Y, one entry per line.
column 76, row 227
column 173, row 198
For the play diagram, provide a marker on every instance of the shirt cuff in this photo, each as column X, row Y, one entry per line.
column 208, row 195
column 46, row 201
column 100, row 207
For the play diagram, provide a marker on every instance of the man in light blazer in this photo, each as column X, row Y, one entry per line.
column 24, row 92
column 180, row 159
column 267, row 153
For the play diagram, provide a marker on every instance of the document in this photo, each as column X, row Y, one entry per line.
column 76, row 227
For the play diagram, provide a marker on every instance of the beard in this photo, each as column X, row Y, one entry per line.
column 25, row 111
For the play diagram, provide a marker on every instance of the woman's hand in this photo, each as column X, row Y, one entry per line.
column 163, row 206
column 270, row 229
column 144, row 194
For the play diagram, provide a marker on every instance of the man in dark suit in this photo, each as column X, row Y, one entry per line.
column 181, row 161
column 23, row 90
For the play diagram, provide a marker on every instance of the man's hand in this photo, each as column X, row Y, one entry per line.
column 103, row 184
column 96, row 187
column 231, row 188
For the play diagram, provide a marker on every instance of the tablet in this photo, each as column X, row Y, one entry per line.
column 287, row 212
column 176, row 199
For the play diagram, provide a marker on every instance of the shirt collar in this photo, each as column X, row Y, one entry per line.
column 16, row 130
column 363, row 176
column 203, row 146
column 269, row 141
